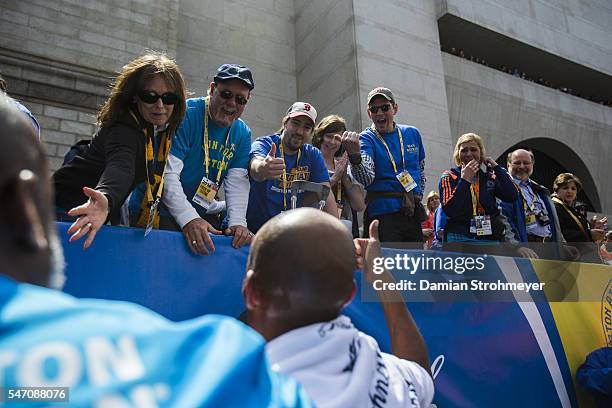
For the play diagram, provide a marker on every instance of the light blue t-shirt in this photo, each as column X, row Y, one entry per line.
column 188, row 146
column 266, row 197
column 384, row 178
column 124, row 355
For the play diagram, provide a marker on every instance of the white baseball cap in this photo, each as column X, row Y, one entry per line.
column 303, row 109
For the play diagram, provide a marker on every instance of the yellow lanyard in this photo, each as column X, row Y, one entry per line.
column 161, row 156
column 475, row 191
column 401, row 140
column 532, row 206
column 205, row 147
column 297, row 165
column 576, row 220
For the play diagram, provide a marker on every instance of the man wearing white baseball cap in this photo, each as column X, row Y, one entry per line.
column 279, row 159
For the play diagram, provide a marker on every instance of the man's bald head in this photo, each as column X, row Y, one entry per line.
column 302, row 264
column 25, row 199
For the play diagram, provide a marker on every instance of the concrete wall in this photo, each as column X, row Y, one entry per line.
column 58, row 56
column 505, row 110
column 579, row 31
column 259, row 34
column 326, row 65
column 398, row 47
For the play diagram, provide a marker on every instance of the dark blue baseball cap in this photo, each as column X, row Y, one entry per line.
column 235, row 71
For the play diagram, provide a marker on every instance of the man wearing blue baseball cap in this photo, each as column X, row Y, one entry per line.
column 280, row 159
column 211, row 147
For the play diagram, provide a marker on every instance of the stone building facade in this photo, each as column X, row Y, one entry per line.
column 59, row 57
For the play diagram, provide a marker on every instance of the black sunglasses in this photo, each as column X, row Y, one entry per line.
column 385, row 108
column 151, row 97
column 225, row 94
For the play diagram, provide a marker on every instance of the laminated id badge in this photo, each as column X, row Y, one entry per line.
column 152, row 212
column 481, row 225
column 206, row 193
column 530, row 218
column 407, row 181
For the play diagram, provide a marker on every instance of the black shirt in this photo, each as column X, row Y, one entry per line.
column 113, row 164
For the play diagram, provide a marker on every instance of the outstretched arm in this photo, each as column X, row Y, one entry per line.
column 91, row 216
column 406, row 340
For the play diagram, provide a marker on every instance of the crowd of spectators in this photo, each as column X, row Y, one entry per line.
column 517, row 72
column 299, row 351
column 159, row 161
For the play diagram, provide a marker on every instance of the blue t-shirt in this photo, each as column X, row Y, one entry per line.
column 188, row 146
column 126, row 355
column 266, row 197
column 384, row 177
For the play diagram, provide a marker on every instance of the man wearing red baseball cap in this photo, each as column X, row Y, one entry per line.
column 278, row 160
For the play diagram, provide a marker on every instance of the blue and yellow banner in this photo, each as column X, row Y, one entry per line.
column 505, row 349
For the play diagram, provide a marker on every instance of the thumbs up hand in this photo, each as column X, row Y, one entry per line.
column 272, row 167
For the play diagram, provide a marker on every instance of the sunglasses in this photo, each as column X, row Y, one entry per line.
column 384, row 108
column 225, row 94
column 151, row 97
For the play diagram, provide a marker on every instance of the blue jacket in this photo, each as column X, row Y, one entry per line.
column 515, row 213
column 456, row 198
column 438, row 225
column 595, row 376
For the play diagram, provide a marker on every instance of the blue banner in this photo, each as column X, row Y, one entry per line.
column 502, row 354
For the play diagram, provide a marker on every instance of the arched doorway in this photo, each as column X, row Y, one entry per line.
column 553, row 157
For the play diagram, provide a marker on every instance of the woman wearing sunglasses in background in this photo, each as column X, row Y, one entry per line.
column 136, row 124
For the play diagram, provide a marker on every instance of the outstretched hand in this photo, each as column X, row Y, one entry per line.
column 92, row 214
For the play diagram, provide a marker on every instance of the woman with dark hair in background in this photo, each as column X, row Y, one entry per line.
column 349, row 194
column 136, row 125
column 575, row 226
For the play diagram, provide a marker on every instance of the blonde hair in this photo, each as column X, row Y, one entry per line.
column 432, row 194
column 469, row 137
column 134, row 77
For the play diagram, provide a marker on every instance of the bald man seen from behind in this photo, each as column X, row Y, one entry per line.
column 104, row 353
column 299, row 277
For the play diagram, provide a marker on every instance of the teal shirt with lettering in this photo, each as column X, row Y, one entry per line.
column 187, row 145
column 120, row 354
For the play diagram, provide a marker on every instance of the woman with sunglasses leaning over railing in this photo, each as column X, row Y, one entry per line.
column 136, row 124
